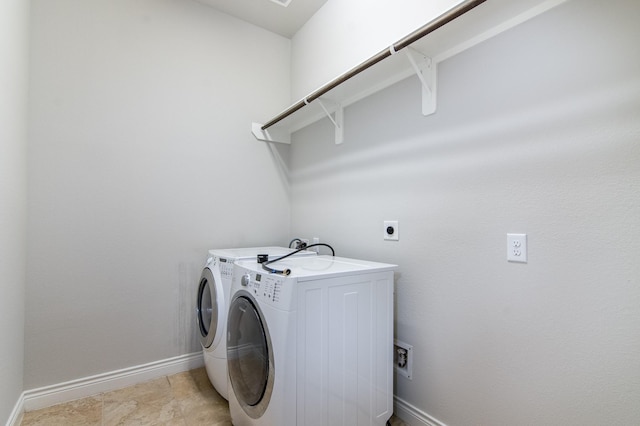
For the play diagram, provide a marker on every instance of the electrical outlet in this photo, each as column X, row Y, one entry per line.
column 403, row 358
column 517, row 248
column 304, row 242
column 391, row 230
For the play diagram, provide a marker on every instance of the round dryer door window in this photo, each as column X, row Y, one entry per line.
column 249, row 355
column 207, row 308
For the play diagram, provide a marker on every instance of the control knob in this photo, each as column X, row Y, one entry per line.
column 245, row 280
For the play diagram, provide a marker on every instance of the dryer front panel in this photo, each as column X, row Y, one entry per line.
column 249, row 355
column 207, row 308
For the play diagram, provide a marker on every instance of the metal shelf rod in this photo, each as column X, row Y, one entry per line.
column 428, row 28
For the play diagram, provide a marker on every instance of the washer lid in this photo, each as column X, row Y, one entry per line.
column 308, row 268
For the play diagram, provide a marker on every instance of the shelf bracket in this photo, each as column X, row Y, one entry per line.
column 270, row 135
column 425, row 69
column 337, row 119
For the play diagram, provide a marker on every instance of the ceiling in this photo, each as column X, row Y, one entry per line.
column 269, row 14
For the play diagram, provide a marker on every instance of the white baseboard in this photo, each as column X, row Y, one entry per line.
column 47, row 396
column 16, row 415
column 413, row 415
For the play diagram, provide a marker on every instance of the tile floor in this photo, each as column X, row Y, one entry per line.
column 185, row 399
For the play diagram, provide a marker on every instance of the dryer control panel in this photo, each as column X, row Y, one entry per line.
column 268, row 288
column 226, row 267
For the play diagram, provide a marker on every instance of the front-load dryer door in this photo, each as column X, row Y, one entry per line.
column 209, row 294
column 249, row 355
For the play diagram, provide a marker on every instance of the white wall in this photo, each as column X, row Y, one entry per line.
column 141, row 159
column 536, row 132
column 14, row 19
column 342, row 34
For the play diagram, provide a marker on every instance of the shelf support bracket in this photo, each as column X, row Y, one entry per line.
column 337, row 119
column 425, row 69
column 270, row 135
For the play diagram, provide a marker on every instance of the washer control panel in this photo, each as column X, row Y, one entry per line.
column 268, row 288
column 226, row 267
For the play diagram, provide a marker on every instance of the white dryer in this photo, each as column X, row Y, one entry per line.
column 314, row 347
column 213, row 303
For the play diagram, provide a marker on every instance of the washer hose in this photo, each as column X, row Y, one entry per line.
column 287, row 271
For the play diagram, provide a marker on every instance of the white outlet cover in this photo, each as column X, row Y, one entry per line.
column 407, row 371
column 393, row 236
column 517, row 248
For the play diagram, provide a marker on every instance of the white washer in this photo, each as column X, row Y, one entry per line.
column 212, row 306
column 311, row 348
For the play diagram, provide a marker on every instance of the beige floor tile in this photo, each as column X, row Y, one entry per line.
column 154, row 392
column 86, row 411
column 184, row 399
column 396, row 421
column 149, row 403
column 194, row 382
column 199, row 401
column 132, row 414
column 208, row 416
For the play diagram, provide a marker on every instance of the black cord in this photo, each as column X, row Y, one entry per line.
column 287, row 271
